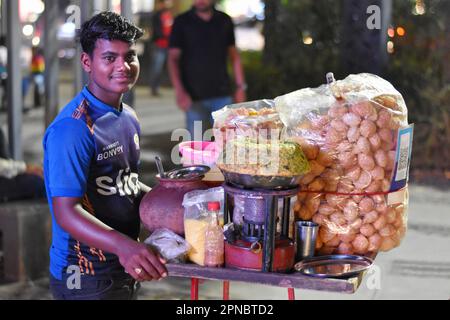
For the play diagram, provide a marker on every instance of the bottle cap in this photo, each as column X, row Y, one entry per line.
column 213, row 206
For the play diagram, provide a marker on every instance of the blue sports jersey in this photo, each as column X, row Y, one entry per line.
column 91, row 151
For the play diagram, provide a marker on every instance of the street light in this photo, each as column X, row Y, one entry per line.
column 28, row 30
column 401, row 31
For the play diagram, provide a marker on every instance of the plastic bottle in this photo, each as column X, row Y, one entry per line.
column 214, row 239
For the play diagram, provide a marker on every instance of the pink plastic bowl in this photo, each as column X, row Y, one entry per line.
column 199, row 153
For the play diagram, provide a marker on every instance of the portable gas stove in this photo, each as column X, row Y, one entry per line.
column 257, row 246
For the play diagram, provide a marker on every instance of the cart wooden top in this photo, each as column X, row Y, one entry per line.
column 292, row 280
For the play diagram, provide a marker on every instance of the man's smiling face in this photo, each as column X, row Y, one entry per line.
column 113, row 66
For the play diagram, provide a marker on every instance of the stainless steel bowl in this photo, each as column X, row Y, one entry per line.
column 334, row 266
column 261, row 182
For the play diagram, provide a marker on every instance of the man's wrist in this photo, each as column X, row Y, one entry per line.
column 118, row 242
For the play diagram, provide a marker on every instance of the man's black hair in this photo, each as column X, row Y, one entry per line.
column 108, row 26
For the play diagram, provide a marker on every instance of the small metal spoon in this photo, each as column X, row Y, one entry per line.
column 160, row 167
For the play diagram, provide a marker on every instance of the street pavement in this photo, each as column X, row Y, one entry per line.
column 418, row 269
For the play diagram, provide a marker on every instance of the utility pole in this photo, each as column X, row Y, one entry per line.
column 127, row 11
column 51, row 15
column 14, row 82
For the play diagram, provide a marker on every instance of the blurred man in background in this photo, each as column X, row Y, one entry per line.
column 162, row 22
column 37, row 69
column 202, row 40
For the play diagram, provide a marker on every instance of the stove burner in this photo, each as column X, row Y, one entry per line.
column 260, row 218
column 252, row 232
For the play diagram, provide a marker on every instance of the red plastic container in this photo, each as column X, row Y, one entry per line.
column 238, row 255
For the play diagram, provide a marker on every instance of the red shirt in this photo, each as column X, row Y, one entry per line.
column 166, row 20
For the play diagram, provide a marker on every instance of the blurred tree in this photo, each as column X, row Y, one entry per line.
column 305, row 39
column 302, row 42
column 419, row 69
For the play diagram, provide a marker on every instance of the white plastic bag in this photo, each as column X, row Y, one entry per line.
column 169, row 245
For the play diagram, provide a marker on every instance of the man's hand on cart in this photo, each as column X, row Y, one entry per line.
column 141, row 262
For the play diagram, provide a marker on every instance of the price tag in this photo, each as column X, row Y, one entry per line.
column 403, row 157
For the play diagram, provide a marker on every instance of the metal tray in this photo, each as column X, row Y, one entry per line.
column 334, row 266
column 261, row 182
column 191, row 172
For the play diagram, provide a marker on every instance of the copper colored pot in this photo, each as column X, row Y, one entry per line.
column 162, row 207
column 242, row 255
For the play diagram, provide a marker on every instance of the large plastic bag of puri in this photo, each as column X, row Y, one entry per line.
column 356, row 136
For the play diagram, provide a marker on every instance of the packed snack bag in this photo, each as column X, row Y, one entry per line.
column 356, row 136
column 249, row 119
column 249, row 137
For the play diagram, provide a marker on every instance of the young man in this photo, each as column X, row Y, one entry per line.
column 201, row 42
column 91, row 172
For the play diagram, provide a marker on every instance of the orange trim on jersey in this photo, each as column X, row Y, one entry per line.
column 81, row 110
column 86, row 267
column 98, row 253
column 87, row 205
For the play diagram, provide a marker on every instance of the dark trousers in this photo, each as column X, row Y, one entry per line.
column 157, row 70
column 21, row 187
column 92, row 288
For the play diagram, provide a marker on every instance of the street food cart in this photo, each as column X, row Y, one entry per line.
column 314, row 186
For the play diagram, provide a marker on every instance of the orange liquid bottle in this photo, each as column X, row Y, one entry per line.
column 214, row 239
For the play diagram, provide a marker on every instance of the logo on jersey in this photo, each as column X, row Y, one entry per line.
column 126, row 184
column 136, row 141
column 111, row 151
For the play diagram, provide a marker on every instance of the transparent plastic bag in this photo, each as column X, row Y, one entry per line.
column 249, row 119
column 348, row 131
column 195, row 203
column 360, row 224
column 169, row 245
column 248, row 136
column 196, row 219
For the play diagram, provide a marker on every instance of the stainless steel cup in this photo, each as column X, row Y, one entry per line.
column 306, row 239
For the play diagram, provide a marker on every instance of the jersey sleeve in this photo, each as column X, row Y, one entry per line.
column 69, row 148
